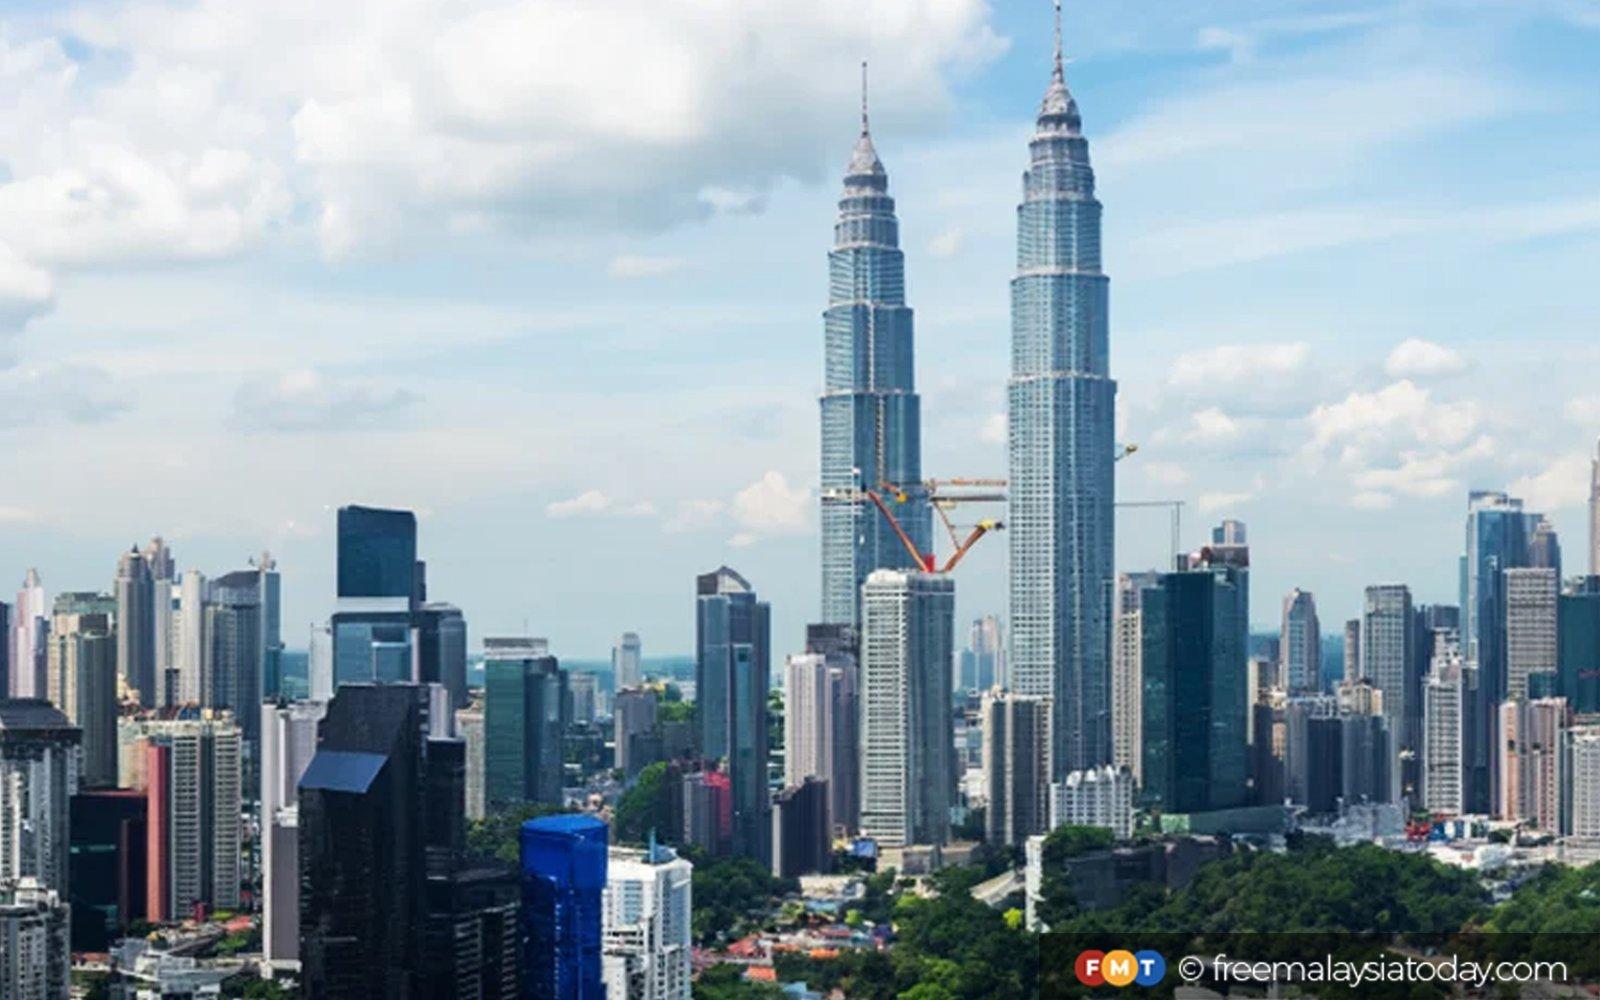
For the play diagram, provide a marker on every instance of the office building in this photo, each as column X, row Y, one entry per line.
column 564, row 876
column 469, row 728
column 29, row 626
column 1101, row 797
column 1352, row 650
column 820, row 724
column 193, row 642
column 982, row 663
column 1389, row 663
column 645, row 920
column 1127, row 672
column 1583, row 782
column 733, row 667
column 802, row 838
column 136, row 626
column 441, row 636
column 375, row 821
column 870, row 410
column 1016, row 766
column 81, row 663
column 288, row 743
column 706, row 811
column 907, row 751
column 633, row 724
column 379, row 582
column 1195, row 630
column 471, row 944
column 627, row 662
column 1313, row 756
column 106, row 868
column 1060, row 424
column 583, row 691
column 1366, row 763
column 1300, row 644
column 1578, row 645
column 839, row 647
column 1443, row 715
column 235, row 650
column 1531, row 773
column 1531, row 633
column 38, row 774
column 524, row 696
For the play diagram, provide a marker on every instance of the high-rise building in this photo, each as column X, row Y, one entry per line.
column 839, row 647
column 627, row 662
column 1578, row 645
column 524, row 695
column 192, row 777
column 1101, row 797
column 1300, row 644
column 1443, row 713
column 645, row 913
column 1016, row 766
column 1583, row 782
column 1195, row 633
column 379, row 579
column 82, row 666
column 1497, row 534
column 584, row 692
column 163, row 575
column 807, row 719
column 907, row 751
column 1352, row 650
column 733, row 665
column 1127, row 673
column 1594, row 512
column 1312, row 755
column 633, row 724
column 1366, row 762
column 1389, row 663
column 442, row 649
column 471, row 942
column 706, row 806
column 34, row 960
column 802, row 842
column 6, row 639
column 871, row 414
column 234, row 650
column 1531, row 774
column 106, row 870
column 29, row 626
column 371, row 817
column 982, row 663
column 469, row 727
column 193, row 641
column 288, row 743
column 1530, row 627
column 38, row 774
column 1060, row 410
column 136, row 625
column 563, row 881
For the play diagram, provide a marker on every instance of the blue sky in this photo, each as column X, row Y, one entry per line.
column 551, row 273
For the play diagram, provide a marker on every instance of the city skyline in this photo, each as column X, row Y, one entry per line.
column 1284, row 329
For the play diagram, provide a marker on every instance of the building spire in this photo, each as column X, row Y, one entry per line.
column 865, row 167
column 863, row 97
column 1058, row 74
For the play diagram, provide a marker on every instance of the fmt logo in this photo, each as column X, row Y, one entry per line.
column 1120, row 968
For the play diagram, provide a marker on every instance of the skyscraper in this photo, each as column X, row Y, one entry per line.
column 1443, row 708
column 1060, row 425
column 1594, row 512
column 871, row 416
column 1127, row 672
column 1016, row 766
column 288, row 743
column 633, row 722
column 645, row 914
column 1300, row 644
column 269, row 595
column 907, row 750
column 1352, row 650
column 1530, row 629
column 982, row 663
column 235, row 650
column 563, row 880
column 1531, row 769
column 136, row 625
column 442, row 649
column 1195, row 630
column 627, row 662
column 82, row 665
column 525, row 692
column 733, row 667
column 1583, row 782
column 37, row 774
column 802, row 841
column 1578, row 650
column 1389, row 662
column 29, row 626
column 839, row 647
column 378, row 579
column 163, row 575
column 193, row 641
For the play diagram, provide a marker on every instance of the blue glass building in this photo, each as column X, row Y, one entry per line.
column 563, row 876
column 1578, row 652
column 871, row 416
column 1060, row 401
column 733, row 670
column 377, row 552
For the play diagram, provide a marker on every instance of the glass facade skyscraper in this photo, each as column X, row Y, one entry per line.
column 563, row 879
column 1060, row 402
column 733, row 669
column 377, row 552
column 524, row 692
column 871, row 419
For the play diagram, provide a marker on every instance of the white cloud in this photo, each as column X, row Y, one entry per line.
column 1561, row 484
column 642, row 266
column 1240, row 47
column 1165, row 473
column 1233, row 364
column 1383, row 421
column 51, row 394
column 1212, row 502
column 25, row 290
column 994, row 429
column 593, row 503
column 770, row 506
column 1419, row 358
column 692, row 515
column 310, row 400
column 947, row 243
column 1583, row 410
column 1371, row 500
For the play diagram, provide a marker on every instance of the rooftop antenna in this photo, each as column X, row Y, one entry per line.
column 1058, row 39
column 863, row 97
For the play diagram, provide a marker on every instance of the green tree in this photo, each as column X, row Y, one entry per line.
column 643, row 807
column 498, row 834
column 725, row 981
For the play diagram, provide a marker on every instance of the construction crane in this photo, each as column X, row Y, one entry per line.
column 928, row 561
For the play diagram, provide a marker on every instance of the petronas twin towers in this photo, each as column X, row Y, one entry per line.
column 1060, row 409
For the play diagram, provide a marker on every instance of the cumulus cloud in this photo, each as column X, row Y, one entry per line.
column 309, row 400
column 75, row 394
column 1212, row 502
column 1165, row 473
column 25, row 290
column 1416, row 358
column 1562, row 483
column 994, row 429
column 1236, row 364
column 642, row 266
column 770, row 506
column 594, row 503
column 946, row 243
column 1583, row 410
column 1382, row 421
column 693, row 515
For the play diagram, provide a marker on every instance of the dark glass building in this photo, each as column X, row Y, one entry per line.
column 377, row 552
column 442, row 649
column 471, row 947
column 1194, row 635
column 563, row 877
column 733, row 666
column 106, row 867
column 802, row 843
column 1578, row 651
column 525, row 697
